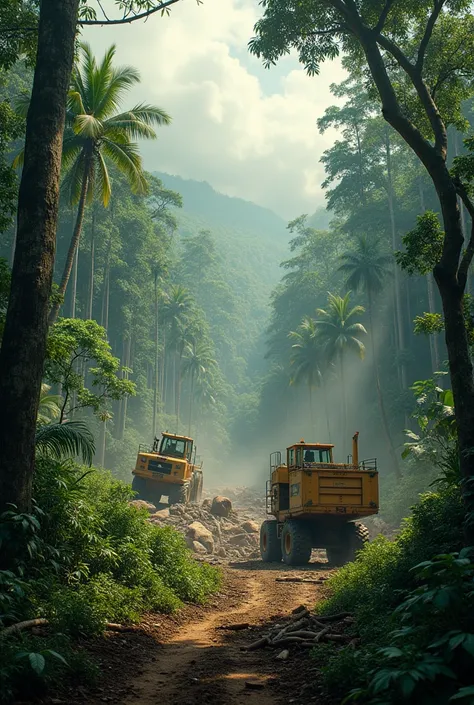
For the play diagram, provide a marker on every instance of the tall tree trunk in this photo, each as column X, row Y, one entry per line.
column 90, row 302
column 326, row 410
column 74, row 244
column 383, row 412
column 102, row 443
column 460, row 365
column 128, row 348
column 24, row 339
column 344, row 402
column 156, row 371
column 74, row 285
column 311, row 412
column 191, row 400
column 434, row 348
column 393, row 229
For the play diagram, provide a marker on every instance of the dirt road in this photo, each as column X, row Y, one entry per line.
column 201, row 663
column 188, row 659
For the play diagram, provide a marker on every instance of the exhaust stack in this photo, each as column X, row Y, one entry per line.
column 355, row 449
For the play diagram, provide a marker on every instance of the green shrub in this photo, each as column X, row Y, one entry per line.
column 378, row 584
column 86, row 557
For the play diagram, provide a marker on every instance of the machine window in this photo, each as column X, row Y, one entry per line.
column 173, row 447
column 291, row 460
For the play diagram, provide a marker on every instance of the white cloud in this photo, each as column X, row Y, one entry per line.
column 228, row 128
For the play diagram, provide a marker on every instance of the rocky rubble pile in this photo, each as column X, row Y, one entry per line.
column 213, row 530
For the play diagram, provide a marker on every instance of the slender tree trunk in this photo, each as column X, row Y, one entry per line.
column 434, row 348
column 128, row 348
column 102, row 443
column 311, row 412
column 344, row 402
column 383, row 412
column 460, row 365
column 74, row 244
column 191, row 399
column 156, row 371
column 92, row 263
column 393, row 228
column 74, row 284
column 326, row 410
column 24, row 339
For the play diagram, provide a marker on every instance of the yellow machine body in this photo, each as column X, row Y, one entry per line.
column 310, row 483
column 166, row 467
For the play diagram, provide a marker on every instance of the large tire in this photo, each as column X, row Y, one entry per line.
column 199, row 483
column 270, row 544
column 179, row 494
column 139, row 486
column 296, row 543
column 352, row 539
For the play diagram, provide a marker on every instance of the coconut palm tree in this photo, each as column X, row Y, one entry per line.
column 341, row 335
column 198, row 363
column 366, row 268
column 97, row 135
column 178, row 307
column 306, row 363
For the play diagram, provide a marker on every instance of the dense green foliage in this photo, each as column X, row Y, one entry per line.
column 83, row 558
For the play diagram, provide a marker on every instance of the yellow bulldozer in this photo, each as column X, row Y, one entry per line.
column 168, row 468
column 315, row 502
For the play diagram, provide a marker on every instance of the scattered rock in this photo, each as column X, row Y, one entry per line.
column 251, row 527
column 238, row 540
column 198, row 532
column 222, row 552
column 160, row 515
column 221, row 506
column 198, row 547
column 283, row 655
column 141, row 504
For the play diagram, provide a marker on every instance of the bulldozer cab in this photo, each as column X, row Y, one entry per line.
column 307, row 455
column 175, row 447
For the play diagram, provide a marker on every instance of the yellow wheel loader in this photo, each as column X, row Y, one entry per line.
column 168, row 468
column 315, row 502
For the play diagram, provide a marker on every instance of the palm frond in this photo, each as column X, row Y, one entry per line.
column 103, row 180
column 127, row 158
column 88, row 126
column 69, row 439
column 120, row 80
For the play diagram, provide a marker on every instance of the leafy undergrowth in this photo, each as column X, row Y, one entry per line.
column 413, row 603
column 84, row 557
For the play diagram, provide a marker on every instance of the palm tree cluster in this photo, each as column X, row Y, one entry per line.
column 322, row 344
column 98, row 136
column 187, row 354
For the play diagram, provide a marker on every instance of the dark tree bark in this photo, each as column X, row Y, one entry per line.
column 24, row 340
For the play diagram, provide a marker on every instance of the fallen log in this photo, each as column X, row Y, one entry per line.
column 304, row 634
column 322, row 634
column 259, row 644
column 27, row 624
column 333, row 617
column 298, row 580
column 338, row 637
column 235, row 627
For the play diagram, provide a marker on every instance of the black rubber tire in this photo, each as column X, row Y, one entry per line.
column 296, row 543
column 139, row 486
column 353, row 538
column 270, row 544
column 199, row 483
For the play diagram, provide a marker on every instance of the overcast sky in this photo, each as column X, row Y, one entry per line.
column 248, row 131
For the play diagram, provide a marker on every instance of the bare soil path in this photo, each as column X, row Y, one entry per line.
column 203, row 663
column 190, row 660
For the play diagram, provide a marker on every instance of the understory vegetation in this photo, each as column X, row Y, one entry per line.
column 84, row 557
